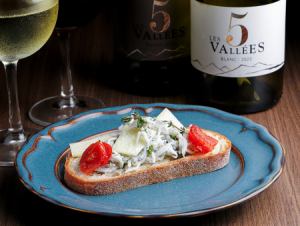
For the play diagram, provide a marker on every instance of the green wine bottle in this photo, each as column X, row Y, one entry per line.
column 238, row 50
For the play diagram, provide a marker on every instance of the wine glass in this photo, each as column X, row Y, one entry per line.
column 72, row 14
column 25, row 26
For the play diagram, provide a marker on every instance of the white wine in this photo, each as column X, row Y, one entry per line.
column 26, row 29
column 238, row 51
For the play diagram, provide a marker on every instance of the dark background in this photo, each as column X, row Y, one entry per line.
column 293, row 20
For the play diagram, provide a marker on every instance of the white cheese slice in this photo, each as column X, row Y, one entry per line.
column 167, row 115
column 78, row 148
column 128, row 142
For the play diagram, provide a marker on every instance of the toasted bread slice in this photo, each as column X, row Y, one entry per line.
column 182, row 167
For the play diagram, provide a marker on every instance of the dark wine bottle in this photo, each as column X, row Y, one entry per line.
column 238, row 50
column 152, row 44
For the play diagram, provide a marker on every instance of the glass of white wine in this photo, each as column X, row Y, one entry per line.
column 72, row 15
column 25, row 26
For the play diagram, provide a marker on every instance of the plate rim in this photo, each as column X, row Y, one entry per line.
column 216, row 112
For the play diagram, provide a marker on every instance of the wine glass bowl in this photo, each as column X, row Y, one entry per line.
column 25, row 26
column 26, row 29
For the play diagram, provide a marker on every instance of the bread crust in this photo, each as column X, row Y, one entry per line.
column 183, row 167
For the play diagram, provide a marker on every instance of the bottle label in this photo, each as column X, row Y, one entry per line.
column 155, row 30
column 238, row 41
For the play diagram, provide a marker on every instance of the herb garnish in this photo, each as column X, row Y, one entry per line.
column 174, row 137
column 126, row 119
column 181, row 130
column 135, row 116
column 140, row 122
column 150, row 150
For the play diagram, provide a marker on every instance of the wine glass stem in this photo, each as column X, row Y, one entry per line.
column 67, row 91
column 15, row 122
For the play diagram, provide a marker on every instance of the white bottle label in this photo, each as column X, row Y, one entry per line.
column 238, row 41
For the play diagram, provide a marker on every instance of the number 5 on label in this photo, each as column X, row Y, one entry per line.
column 156, row 14
column 244, row 30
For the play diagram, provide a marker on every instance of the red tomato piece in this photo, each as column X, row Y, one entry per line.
column 199, row 141
column 96, row 155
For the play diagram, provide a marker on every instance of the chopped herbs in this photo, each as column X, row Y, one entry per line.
column 135, row 116
column 182, row 130
column 150, row 150
column 174, row 137
column 140, row 122
column 126, row 119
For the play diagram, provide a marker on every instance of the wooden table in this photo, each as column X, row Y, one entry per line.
column 278, row 205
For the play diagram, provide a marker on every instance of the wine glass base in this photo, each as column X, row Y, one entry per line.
column 53, row 109
column 10, row 144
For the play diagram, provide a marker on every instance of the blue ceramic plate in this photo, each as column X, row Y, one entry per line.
column 255, row 163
